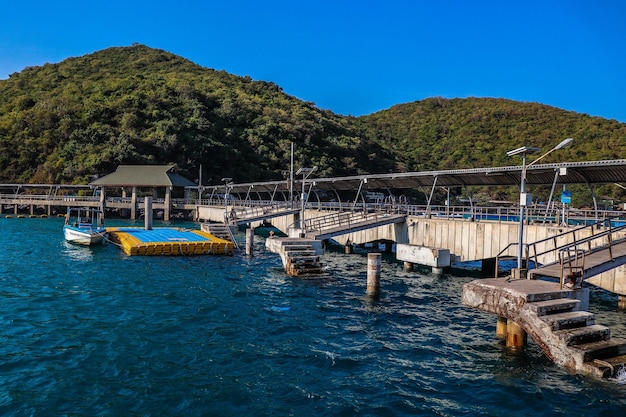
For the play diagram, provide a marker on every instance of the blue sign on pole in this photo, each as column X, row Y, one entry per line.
column 566, row 197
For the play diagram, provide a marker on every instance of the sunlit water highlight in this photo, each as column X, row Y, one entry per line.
column 93, row 332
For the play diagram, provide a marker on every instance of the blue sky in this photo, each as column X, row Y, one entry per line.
column 356, row 57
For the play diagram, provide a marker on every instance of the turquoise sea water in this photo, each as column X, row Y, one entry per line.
column 93, row 332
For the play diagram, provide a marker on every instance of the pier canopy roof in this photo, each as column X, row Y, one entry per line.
column 143, row 176
column 591, row 172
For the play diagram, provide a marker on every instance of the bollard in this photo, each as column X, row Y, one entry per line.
column 249, row 241
column 515, row 336
column 373, row 274
column 501, row 328
column 148, row 213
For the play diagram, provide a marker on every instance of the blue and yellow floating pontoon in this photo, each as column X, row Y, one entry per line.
column 168, row 241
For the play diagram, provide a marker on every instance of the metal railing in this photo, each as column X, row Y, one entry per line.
column 604, row 230
column 535, row 214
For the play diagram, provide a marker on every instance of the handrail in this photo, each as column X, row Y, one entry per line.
column 579, row 241
column 576, row 271
column 477, row 213
column 576, row 241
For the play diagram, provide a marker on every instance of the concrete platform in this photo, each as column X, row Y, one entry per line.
column 525, row 290
column 556, row 319
column 300, row 256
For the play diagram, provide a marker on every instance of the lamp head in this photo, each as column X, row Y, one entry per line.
column 564, row 143
column 523, row 150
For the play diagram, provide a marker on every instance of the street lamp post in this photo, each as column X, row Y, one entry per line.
column 305, row 174
column 227, row 183
column 526, row 198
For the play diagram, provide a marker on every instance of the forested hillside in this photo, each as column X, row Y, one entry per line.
column 440, row 133
column 136, row 105
column 70, row 121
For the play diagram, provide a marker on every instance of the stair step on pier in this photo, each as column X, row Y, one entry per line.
column 610, row 350
column 569, row 320
column 584, row 335
column 305, row 259
column 559, row 305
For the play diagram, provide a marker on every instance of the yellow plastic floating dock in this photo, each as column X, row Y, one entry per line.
column 168, row 241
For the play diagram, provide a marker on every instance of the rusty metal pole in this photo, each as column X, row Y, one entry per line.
column 249, row 241
column 515, row 336
column 373, row 274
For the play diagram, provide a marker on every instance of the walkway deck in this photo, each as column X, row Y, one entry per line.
column 325, row 227
column 596, row 262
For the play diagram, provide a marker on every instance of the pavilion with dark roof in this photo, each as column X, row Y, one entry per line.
column 135, row 177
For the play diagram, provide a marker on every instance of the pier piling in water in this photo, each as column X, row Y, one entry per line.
column 148, row 213
column 249, row 241
column 373, row 274
column 515, row 336
column 501, row 328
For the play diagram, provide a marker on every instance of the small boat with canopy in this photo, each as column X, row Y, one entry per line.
column 84, row 226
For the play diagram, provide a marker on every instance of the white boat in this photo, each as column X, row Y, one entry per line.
column 84, row 226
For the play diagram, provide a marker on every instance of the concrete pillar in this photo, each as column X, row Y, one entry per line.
column 519, row 273
column 168, row 203
column 249, row 241
column 32, row 209
column 148, row 216
column 348, row 249
column 515, row 336
column 373, row 274
column 501, row 328
column 133, row 204
column 408, row 266
column 488, row 266
column 621, row 302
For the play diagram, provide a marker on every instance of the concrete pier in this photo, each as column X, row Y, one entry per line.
column 436, row 258
column 556, row 319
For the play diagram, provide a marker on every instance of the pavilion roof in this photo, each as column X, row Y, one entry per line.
column 143, row 176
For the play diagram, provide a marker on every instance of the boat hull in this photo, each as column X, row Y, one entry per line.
column 87, row 237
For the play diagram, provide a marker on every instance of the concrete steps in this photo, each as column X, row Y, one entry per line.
column 557, row 320
column 577, row 331
column 301, row 257
column 302, row 260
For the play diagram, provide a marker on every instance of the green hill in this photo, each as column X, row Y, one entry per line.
column 82, row 117
column 439, row 133
column 136, row 105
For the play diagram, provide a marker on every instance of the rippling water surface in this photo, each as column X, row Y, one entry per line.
column 93, row 332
